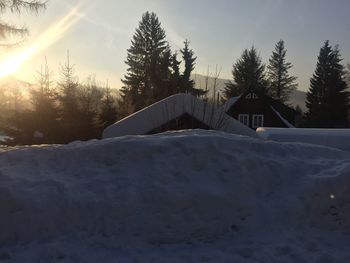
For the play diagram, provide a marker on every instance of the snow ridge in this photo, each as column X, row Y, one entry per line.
column 171, row 190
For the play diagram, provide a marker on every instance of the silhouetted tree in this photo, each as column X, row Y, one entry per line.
column 189, row 61
column 89, row 97
column 143, row 60
column 176, row 79
column 187, row 83
column 281, row 84
column 327, row 99
column 45, row 112
column 39, row 124
column 70, row 113
column 163, row 77
column 248, row 72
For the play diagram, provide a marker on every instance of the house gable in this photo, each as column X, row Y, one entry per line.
column 260, row 109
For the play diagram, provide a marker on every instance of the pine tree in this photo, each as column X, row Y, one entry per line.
column 190, row 62
column 281, row 84
column 327, row 100
column 163, row 77
column 176, row 79
column 143, row 60
column 45, row 112
column 89, row 98
column 70, row 113
column 248, row 72
column 187, row 83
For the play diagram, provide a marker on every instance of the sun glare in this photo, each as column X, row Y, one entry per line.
column 12, row 64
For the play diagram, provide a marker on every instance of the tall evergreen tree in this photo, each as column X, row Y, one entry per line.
column 176, row 79
column 190, row 62
column 327, row 100
column 143, row 60
column 248, row 72
column 187, row 84
column 163, row 77
column 281, row 84
column 70, row 113
column 45, row 112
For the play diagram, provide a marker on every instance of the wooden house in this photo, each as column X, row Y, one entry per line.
column 254, row 110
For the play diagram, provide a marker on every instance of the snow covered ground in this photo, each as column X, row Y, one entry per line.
column 336, row 138
column 191, row 196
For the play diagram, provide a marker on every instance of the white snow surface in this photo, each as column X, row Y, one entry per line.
column 337, row 138
column 187, row 196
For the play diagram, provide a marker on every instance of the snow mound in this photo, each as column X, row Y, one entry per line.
column 172, row 189
column 337, row 138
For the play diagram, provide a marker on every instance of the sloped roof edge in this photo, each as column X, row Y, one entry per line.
column 161, row 112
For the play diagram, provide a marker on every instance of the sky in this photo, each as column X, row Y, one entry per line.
column 98, row 33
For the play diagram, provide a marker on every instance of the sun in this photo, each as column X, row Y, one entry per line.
column 13, row 63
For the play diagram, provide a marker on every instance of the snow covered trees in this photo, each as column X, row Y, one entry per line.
column 327, row 100
column 281, row 84
column 153, row 70
column 248, row 72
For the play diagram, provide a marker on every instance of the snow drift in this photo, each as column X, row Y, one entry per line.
column 176, row 189
column 337, row 138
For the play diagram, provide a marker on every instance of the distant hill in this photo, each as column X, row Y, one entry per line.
column 298, row 97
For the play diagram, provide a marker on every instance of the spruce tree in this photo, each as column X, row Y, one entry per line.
column 248, row 72
column 45, row 112
column 176, row 80
column 187, row 84
column 281, row 84
column 143, row 60
column 327, row 100
column 162, row 87
column 190, row 62
column 70, row 113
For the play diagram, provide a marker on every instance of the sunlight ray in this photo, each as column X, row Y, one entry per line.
column 56, row 31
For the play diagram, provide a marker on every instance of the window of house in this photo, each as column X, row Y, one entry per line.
column 255, row 96
column 244, row 118
column 258, row 120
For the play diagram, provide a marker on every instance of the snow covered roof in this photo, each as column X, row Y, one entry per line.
column 160, row 113
column 229, row 103
column 287, row 123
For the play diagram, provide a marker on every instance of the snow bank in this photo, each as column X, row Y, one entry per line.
column 337, row 138
column 175, row 197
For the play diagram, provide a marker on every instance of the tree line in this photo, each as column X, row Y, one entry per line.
column 62, row 111
column 327, row 100
column 67, row 110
